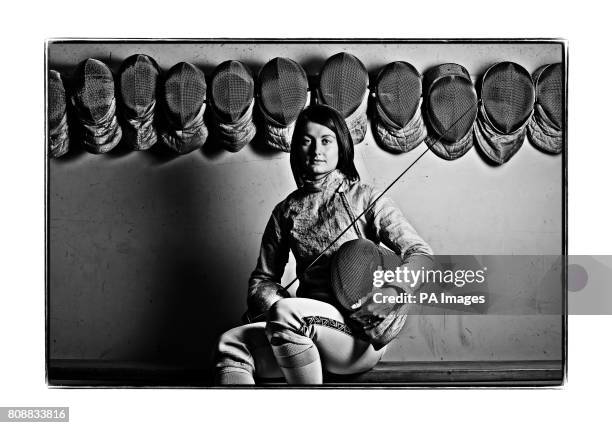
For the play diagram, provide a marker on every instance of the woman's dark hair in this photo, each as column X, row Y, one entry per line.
column 332, row 119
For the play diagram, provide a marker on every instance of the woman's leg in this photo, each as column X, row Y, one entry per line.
column 244, row 352
column 306, row 334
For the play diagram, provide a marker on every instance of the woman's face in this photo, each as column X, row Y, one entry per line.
column 318, row 150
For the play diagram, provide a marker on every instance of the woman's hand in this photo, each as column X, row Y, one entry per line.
column 264, row 296
column 375, row 307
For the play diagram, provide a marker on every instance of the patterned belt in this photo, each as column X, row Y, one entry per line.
column 325, row 322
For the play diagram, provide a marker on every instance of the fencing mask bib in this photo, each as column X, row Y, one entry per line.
column 283, row 94
column 59, row 141
column 507, row 97
column 184, row 96
column 95, row 105
column 343, row 85
column 232, row 101
column 545, row 129
column 398, row 122
column 138, row 87
column 451, row 106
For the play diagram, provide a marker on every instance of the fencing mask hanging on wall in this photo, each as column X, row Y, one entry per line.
column 184, row 97
column 507, row 97
column 138, row 84
column 398, row 121
column 545, row 129
column 283, row 94
column 451, row 105
column 59, row 141
column 343, row 85
column 232, row 89
column 95, row 104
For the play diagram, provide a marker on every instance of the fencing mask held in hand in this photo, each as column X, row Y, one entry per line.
column 352, row 273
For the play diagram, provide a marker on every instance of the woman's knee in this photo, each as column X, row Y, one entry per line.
column 232, row 350
column 282, row 310
column 284, row 319
column 234, row 363
column 229, row 338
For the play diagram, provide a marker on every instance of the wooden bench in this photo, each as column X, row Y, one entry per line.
column 63, row 372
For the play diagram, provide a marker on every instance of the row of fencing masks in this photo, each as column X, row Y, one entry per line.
column 398, row 121
column 95, row 105
column 545, row 129
column 232, row 102
column 451, row 106
column 343, row 85
column 507, row 99
column 59, row 140
column 184, row 97
column 139, row 77
column 283, row 94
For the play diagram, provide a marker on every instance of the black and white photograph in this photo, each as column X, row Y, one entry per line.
column 304, row 214
column 277, row 213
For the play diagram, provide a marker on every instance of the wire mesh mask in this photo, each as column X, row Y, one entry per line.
column 138, row 85
column 545, row 129
column 398, row 122
column 343, row 85
column 508, row 96
column 283, row 94
column 94, row 101
column 232, row 89
column 184, row 99
column 451, row 107
column 57, row 117
column 352, row 273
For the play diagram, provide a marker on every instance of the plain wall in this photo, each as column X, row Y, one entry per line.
column 149, row 255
